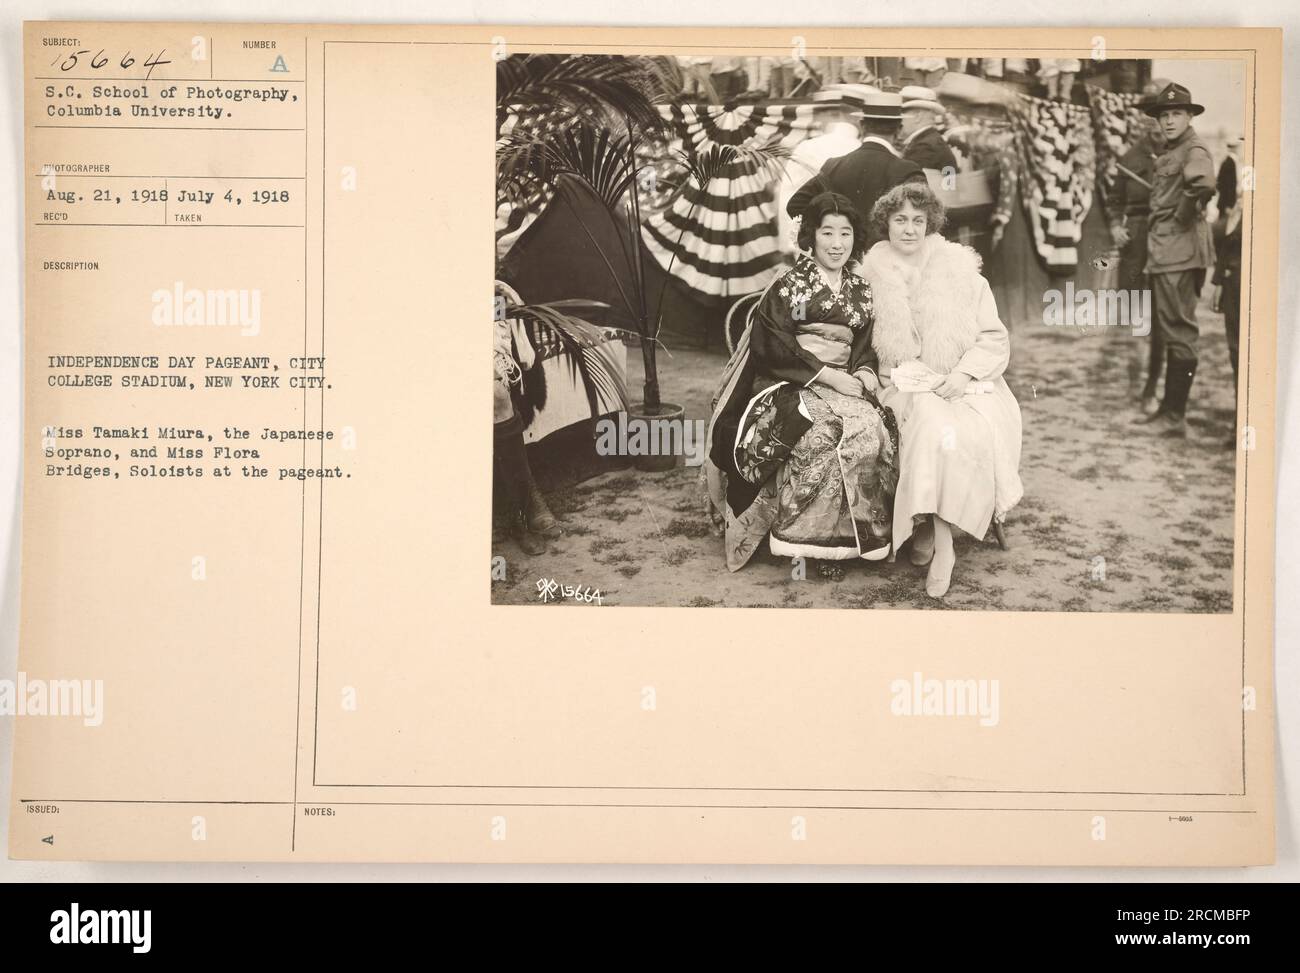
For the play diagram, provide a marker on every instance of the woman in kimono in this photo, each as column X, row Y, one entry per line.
column 938, row 335
column 799, row 451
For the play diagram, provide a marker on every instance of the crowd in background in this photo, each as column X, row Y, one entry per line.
column 733, row 78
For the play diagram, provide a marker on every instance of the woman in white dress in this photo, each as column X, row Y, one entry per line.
column 960, row 439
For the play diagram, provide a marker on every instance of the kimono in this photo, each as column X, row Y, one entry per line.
column 790, row 459
column 960, row 460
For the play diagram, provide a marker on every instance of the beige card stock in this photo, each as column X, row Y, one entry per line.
column 268, row 628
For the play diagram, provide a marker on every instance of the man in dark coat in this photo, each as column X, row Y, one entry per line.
column 870, row 171
column 1227, row 285
column 1228, row 176
column 922, row 141
column 1227, row 252
column 1178, row 249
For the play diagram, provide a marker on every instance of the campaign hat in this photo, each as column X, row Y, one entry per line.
column 1173, row 95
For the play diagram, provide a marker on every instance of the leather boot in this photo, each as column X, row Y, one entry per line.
column 1153, row 409
column 540, row 520
column 511, row 483
column 1155, row 361
column 1181, row 374
column 1170, row 421
column 530, row 542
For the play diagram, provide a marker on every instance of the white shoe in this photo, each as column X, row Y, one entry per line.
column 937, row 580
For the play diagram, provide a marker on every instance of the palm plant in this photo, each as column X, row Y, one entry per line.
column 585, row 85
column 583, row 340
column 590, row 119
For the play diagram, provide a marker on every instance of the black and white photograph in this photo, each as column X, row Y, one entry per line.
column 867, row 332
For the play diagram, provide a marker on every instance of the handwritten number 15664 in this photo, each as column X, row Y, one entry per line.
column 100, row 59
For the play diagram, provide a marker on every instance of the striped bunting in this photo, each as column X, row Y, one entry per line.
column 720, row 239
column 1057, row 158
column 1117, row 122
column 519, row 215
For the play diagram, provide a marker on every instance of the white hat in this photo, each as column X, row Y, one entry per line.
column 917, row 96
column 850, row 95
column 887, row 105
column 863, row 100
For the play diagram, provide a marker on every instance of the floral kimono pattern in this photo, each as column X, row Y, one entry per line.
column 809, row 468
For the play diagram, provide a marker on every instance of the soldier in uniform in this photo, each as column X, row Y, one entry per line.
column 1178, row 249
column 871, row 170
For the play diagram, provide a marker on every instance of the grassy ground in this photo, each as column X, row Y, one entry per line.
column 1156, row 515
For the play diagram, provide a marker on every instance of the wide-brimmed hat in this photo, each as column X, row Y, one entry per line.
column 847, row 96
column 918, row 96
column 864, row 101
column 1172, row 96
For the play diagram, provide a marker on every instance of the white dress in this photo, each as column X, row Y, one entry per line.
column 959, row 460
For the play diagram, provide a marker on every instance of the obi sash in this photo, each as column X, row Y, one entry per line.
column 828, row 343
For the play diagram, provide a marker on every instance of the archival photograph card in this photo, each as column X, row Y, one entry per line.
column 880, row 462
